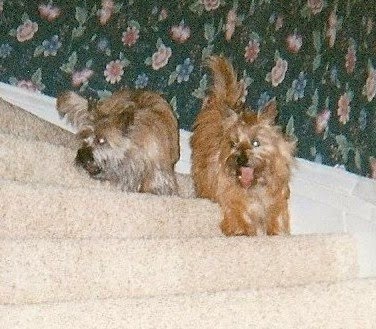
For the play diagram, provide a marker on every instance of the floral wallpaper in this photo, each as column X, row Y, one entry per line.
column 317, row 57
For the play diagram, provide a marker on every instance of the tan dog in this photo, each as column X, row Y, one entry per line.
column 130, row 139
column 241, row 159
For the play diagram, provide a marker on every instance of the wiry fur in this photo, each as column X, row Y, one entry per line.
column 130, row 139
column 241, row 159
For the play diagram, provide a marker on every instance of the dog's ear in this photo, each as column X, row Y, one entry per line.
column 229, row 112
column 75, row 109
column 126, row 119
column 230, row 116
column 269, row 112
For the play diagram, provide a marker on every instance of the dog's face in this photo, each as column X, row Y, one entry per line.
column 103, row 133
column 103, row 146
column 253, row 146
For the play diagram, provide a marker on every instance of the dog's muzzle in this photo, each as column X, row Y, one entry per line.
column 242, row 160
column 85, row 159
column 245, row 170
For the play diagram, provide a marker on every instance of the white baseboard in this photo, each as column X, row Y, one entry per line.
column 41, row 105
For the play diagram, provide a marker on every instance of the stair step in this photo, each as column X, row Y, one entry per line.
column 51, row 270
column 16, row 121
column 39, row 162
column 27, row 160
column 40, row 211
column 349, row 304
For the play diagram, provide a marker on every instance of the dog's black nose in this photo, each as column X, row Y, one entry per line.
column 85, row 159
column 84, row 155
column 242, row 160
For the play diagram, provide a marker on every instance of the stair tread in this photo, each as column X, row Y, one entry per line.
column 31, row 210
column 25, row 160
column 345, row 304
column 37, row 270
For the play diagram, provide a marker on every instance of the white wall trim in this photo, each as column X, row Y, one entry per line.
column 38, row 104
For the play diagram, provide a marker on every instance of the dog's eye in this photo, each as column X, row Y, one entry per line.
column 255, row 143
column 101, row 140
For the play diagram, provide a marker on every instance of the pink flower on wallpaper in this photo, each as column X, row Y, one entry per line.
column 28, row 85
column 279, row 22
column 230, row 24
column 372, row 165
column 160, row 57
column 211, row 4
column 315, row 6
column 294, row 42
column 180, row 33
column 322, row 120
column 369, row 89
column 26, row 31
column 343, row 110
column 163, row 14
column 106, row 11
column 331, row 32
column 80, row 77
column 49, row 12
column 114, row 71
column 278, row 72
column 252, row 51
column 350, row 59
column 130, row 36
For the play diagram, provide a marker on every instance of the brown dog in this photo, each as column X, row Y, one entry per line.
column 241, row 159
column 130, row 139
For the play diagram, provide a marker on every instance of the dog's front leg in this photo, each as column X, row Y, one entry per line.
column 160, row 182
column 238, row 221
column 279, row 221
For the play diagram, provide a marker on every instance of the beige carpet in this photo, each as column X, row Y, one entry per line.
column 76, row 253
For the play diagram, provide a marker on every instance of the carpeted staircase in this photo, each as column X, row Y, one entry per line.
column 79, row 254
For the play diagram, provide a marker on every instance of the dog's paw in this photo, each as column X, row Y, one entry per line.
column 235, row 227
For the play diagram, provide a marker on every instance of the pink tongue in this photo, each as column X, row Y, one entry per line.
column 246, row 176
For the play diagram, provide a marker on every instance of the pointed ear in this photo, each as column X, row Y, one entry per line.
column 126, row 119
column 74, row 109
column 269, row 112
column 229, row 117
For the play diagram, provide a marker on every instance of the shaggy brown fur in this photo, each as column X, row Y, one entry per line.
column 130, row 139
column 241, row 159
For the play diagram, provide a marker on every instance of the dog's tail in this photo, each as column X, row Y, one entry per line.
column 226, row 86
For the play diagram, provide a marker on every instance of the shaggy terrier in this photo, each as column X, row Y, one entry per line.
column 130, row 139
column 241, row 159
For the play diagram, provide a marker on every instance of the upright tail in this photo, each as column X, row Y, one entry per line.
column 226, row 86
